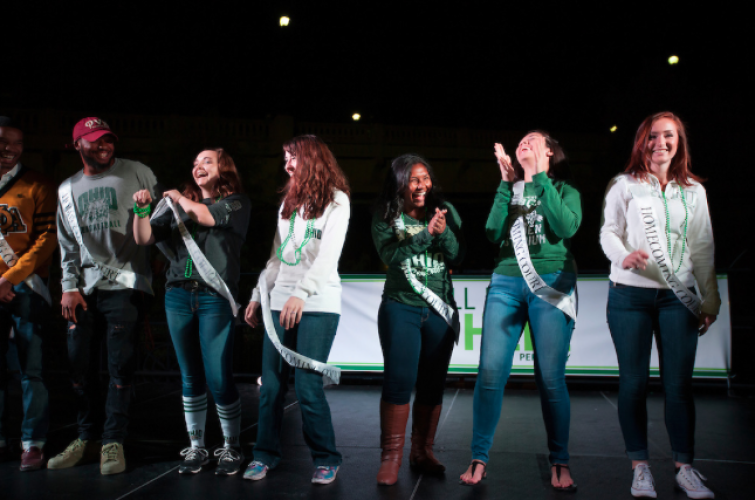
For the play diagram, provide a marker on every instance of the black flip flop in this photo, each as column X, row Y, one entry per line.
column 475, row 464
column 568, row 489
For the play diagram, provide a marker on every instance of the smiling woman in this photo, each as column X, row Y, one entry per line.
column 200, row 315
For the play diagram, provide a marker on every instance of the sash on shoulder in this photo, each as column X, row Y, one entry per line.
column 560, row 300
column 33, row 280
column 331, row 374
column 447, row 312
column 203, row 266
column 128, row 279
column 641, row 193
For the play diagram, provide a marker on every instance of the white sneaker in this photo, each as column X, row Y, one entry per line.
column 642, row 483
column 691, row 481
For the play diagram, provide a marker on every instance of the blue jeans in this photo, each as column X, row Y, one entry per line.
column 313, row 338
column 201, row 326
column 508, row 307
column 634, row 314
column 417, row 344
column 26, row 314
column 112, row 317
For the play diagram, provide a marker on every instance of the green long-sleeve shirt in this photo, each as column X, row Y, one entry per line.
column 429, row 255
column 549, row 227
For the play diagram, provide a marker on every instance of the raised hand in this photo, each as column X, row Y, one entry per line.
column 142, row 198
column 437, row 224
column 541, row 153
column 504, row 163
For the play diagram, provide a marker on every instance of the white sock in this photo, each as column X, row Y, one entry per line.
column 195, row 413
column 230, row 423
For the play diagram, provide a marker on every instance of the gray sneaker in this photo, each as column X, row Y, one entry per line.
column 229, row 461
column 194, row 459
column 112, row 460
column 690, row 481
column 643, row 485
column 79, row 451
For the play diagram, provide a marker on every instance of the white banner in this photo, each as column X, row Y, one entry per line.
column 357, row 346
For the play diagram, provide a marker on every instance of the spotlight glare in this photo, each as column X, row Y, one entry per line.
column 259, row 381
column 673, row 60
column 614, row 129
column 356, row 117
column 284, row 20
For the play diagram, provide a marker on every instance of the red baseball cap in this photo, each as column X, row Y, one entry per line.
column 91, row 129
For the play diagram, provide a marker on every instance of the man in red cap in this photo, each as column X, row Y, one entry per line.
column 105, row 276
column 27, row 242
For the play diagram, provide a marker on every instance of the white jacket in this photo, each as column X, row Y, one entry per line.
column 315, row 279
column 622, row 233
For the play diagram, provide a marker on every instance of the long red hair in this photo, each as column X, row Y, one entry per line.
column 316, row 176
column 639, row 162
column 229, row 182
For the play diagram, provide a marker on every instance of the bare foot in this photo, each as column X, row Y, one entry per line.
column 479, row 473
column 565, row 480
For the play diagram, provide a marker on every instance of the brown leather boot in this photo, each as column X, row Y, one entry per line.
column 392, row 434
column 424, row 424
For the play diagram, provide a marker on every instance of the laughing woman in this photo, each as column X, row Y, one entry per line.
column 417, row 235
column 535, row 214
column 199, row 313
column 658, row 192
column 305, row 301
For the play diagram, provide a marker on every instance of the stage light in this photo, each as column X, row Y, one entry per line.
column 614, row 129
column 259, row 381
column 284, row 20
column 356, row 117
column 673, row 60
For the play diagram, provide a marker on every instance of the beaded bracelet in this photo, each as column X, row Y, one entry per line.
column 142, row 212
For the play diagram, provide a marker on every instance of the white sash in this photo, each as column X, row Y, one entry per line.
column 33, row 280
column 562, row 301
column 127, row 278
column 203, row 266
column 641, row 193
column 446, row 311
column 331, row 374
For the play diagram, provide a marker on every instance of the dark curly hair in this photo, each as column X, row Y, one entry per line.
column 390, row 204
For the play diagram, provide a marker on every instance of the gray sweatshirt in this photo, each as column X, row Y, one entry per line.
column 104, row 207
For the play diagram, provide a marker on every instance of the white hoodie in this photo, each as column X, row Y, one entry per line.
column 622, row 233
column 315, row 279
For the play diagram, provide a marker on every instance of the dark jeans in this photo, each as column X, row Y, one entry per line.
column 112, row 317
column 509, row 304
column 26, row 314
column 201, row 326
column 313, row 338
column 633, row 315
column 417, row 344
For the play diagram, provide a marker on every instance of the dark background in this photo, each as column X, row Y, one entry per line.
column 573, row 70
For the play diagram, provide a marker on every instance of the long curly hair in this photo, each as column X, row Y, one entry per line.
column 315, row 179
column 558, row 167
column 229, row 182
column 390, row 203
column 639, row 163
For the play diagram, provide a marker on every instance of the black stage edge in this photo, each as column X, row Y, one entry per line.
column 518, row 465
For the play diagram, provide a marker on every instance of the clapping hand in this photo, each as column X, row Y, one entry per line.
column 504, row 163
column 438, row 223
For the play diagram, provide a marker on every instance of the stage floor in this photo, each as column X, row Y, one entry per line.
column 518, row 461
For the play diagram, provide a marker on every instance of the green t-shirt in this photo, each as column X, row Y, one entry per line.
column 429, row 256
column 550, row 226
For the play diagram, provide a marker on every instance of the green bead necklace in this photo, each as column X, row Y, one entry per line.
column 426, row 273
column 308, row 233
column 668, row 222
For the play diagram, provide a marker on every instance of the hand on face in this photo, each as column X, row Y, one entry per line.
column 504, row 163
column 437, row 224
column 142, row 198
